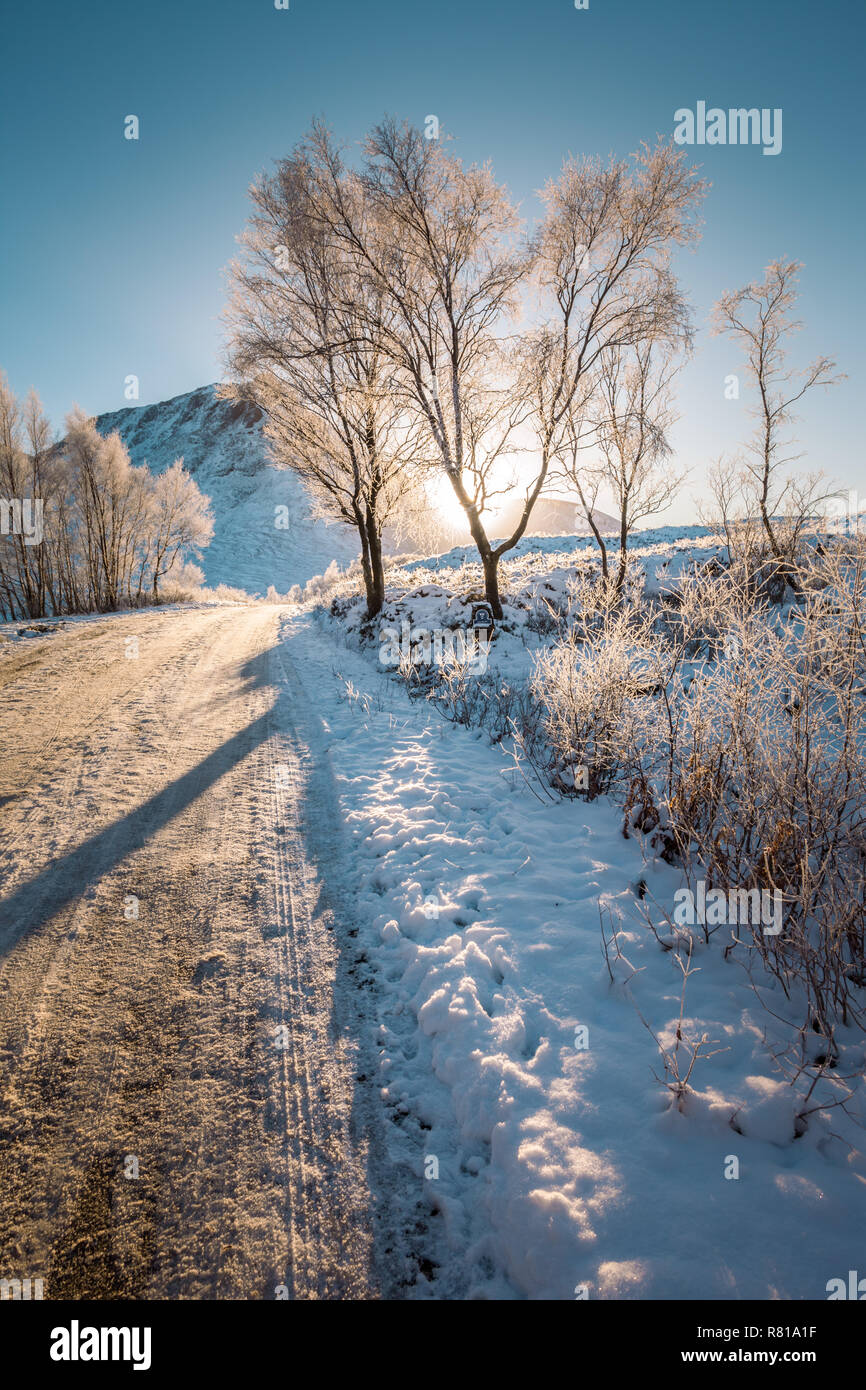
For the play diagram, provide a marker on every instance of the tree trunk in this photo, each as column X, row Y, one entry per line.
column 376, row 589
column 366, row 569
column 593, row 526
column 623, row 554
column 491, row 583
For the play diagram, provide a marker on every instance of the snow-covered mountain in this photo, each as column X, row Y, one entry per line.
column 553, row 517
column 224, row 449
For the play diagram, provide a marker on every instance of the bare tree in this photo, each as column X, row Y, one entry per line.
column 631, row 413
column 602, row 265
column 759, row 319
column 306, row 330
column 577, row 435
column 436, row 243
column 437, row 246
column 181, row 521
column 25, row 476
column 104, row 526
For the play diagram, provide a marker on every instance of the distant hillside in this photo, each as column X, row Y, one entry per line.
column 551, row 517
column 223, row 447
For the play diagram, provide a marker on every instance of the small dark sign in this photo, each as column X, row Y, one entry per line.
column 482, row 620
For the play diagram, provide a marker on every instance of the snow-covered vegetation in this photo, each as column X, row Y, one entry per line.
column 728, row 727
column 638, row 776
column 604, row 875
column 265, row 527
column 374, row 321
column 86, row 530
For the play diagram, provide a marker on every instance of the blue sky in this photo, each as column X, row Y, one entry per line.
column 112, row 252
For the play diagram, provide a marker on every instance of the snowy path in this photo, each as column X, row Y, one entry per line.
column 206, row 1043
column 508, row 1054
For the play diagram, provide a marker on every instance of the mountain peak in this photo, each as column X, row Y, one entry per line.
column 224, row 448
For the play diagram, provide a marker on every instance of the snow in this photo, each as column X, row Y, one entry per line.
column 222, row 445
column 532, row 1148
column 563, row 1171
column 169, row 971
column 662, row 537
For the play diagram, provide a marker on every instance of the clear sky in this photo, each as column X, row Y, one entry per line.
column 112, row 252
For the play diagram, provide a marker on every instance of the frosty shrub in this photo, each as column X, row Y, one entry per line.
column 225, row 593
column 767, row 776
column 733, row 731
column 548, row 614
column 321, row 586
column 592, row 689
column 501, row 708
column 273, row 595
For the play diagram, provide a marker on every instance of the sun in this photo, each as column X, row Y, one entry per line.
column 444, row 500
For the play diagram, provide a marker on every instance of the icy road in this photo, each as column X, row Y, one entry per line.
column 179, row 1111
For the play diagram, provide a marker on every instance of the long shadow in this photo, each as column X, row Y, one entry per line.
column 34, row 903
column 39, row 899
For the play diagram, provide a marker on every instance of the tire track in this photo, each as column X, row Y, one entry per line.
column 152, row 1039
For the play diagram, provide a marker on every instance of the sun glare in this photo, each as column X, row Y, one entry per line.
column 444, row 499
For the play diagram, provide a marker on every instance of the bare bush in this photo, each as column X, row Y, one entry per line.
column 590, row 687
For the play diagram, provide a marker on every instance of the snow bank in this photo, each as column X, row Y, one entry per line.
column 517, row 1075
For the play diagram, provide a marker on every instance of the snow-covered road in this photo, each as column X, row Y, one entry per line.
column 302, row 994
column 179, row 1115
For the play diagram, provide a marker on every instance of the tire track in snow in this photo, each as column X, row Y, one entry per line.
column 43, row 1059
column 116, row 1065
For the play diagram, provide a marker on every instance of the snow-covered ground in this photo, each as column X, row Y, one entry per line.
column 553, row 1157
column 314, row 850
column 179, row 1115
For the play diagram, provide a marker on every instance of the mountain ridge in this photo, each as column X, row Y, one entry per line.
column 224, row 448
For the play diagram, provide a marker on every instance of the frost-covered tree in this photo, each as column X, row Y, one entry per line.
column 434, row 241
column 26, row 478
column 108, row 531
column 105, row 491
column 306, row 329
column 759, row 318
column 181, row 522
column 610, row 308
column 627, row 422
